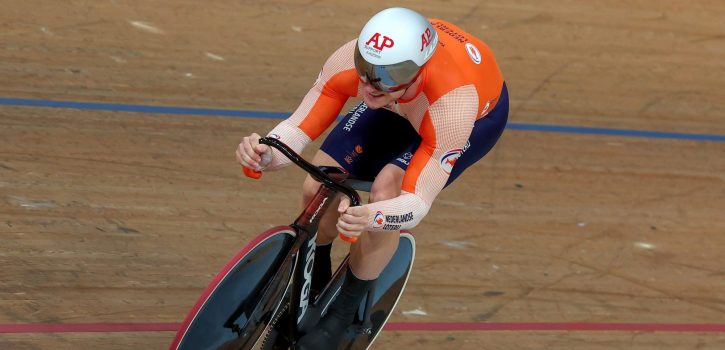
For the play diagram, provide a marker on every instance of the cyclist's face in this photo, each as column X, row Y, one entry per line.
column 377, row 99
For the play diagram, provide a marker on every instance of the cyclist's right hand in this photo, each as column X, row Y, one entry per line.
column 253, row 155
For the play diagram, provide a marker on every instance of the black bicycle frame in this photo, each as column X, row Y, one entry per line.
column 301, row 255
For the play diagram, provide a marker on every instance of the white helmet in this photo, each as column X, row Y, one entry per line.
column 393, row 47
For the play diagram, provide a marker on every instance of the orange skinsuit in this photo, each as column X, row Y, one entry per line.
column 460, row 84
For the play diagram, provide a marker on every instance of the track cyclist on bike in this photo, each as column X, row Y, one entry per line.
column 433, row 103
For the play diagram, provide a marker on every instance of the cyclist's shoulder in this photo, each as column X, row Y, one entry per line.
column 341, row 53
column 463, row 68
column 342, row 58
column 338, row 72
column 461, row 51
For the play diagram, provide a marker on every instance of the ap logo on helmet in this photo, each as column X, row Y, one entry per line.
column 380, row 44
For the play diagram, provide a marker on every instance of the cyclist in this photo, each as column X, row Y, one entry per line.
column 433, row 103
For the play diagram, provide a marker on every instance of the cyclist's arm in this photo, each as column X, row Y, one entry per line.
column 445, row 128
column 337, row 82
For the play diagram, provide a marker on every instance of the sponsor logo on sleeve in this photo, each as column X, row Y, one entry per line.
column 399, row 219
column 378, row 220
column 391, row 222
column 448, row 160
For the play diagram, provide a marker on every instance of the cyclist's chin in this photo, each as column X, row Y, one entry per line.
column 378, row 100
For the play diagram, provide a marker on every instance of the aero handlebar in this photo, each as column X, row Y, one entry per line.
column 311, row 169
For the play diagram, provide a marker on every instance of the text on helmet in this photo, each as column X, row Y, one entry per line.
column 425, row 39
column 387, row 42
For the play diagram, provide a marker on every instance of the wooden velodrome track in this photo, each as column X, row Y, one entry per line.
column 112, row 222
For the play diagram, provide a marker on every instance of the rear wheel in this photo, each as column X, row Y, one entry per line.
column 221, row 312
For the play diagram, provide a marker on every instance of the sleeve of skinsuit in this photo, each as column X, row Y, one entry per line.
column 445, row 130
column 337, row 82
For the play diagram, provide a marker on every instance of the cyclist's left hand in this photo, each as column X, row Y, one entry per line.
column 353, row 220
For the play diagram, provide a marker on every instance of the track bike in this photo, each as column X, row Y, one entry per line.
column 261, row 298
